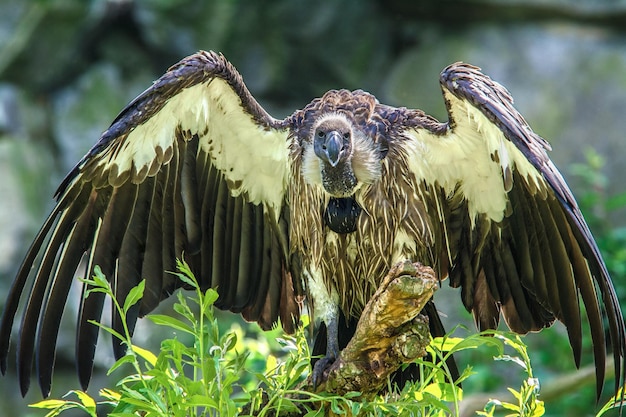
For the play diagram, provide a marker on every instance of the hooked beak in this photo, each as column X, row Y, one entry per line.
column 329, row 147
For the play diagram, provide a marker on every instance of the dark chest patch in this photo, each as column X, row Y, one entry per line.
column 341, row 215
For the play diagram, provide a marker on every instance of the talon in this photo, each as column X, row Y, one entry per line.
column 320, row 370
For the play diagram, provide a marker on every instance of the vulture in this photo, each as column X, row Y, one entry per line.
column 313, row 210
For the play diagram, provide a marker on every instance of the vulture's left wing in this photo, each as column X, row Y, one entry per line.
column 192, row 167
column 511, row 236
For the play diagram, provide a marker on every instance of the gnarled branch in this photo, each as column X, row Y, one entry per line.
column 390, row 332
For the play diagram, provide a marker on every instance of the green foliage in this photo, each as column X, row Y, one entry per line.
column 205, row 378
column 599, row 207
column 182, row 380
column 528, row 403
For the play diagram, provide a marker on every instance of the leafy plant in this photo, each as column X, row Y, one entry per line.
column 204, row 379
column 528, row 403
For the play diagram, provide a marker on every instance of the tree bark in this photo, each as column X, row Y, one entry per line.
column 391, row 332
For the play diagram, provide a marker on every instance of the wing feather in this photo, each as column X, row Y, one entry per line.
column 152, row 268
column 220, row 241
column 37, row 293
column 124, row 205
column 258, row 263
column 171, row 222
column 104, row 253
column 508, row 211
column 208, row 218
column 240, row 256
column 539, row 280
column 230, row 245
column 190, row 197
column 272, row 308
column 193, row 167
column 54, row 305
column 132, row 253
column 523, row 243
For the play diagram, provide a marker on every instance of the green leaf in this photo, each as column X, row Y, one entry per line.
column 355, row 408
column 444, row 391
column 209, row 298
column 201, row 401
column 110, row 394
column 121, row 361
column 336, row 408
column 85, row 399
column 91, row 290
column 186, row 276
column 108, row 329
column 229, row 341
column 134, row 295
column 509, row 406
column 145, row 354
column 434, row 401
column 50, row 404
column 446, row 344
column 99, row 278
column 516, row 394
column 142, row 403
column 539, row 410
column 171, row 322
column 182, row 308
column 472, row 342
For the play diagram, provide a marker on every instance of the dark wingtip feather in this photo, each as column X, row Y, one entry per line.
column 15, row 293
column 87, row 335
column 24, row 380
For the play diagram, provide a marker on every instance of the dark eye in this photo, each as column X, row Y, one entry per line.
column 320, row 133
column 346, row 135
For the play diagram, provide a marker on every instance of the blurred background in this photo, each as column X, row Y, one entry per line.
column 68, row 67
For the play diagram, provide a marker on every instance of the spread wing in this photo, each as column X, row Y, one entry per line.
column 192, row 167
column 512, row 236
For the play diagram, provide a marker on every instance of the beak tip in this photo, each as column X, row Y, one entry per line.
column 334, row 146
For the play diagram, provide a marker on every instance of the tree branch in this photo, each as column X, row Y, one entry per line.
column 390, row 332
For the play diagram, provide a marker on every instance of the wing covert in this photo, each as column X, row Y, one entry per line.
column 192, row 167
column 512, row 236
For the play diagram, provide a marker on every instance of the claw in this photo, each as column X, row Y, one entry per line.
column 320, row 370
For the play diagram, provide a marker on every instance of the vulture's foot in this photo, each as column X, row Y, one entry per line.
column 320, row 370
column 322, row 366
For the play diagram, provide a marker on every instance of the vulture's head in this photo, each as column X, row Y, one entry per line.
column 339, row 156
